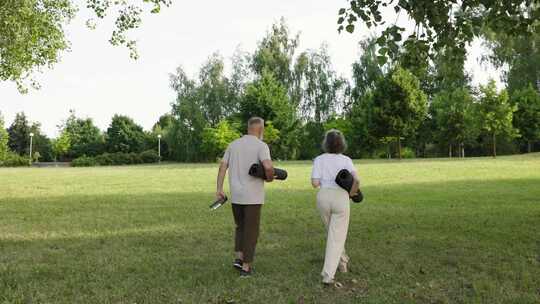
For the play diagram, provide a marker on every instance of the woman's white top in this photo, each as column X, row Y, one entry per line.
column 326, row 167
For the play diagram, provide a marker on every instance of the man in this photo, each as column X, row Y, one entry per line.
column 247, row 192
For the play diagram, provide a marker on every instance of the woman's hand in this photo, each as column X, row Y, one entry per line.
column 315, row 182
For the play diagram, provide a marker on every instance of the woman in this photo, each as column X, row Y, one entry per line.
column 333, row 201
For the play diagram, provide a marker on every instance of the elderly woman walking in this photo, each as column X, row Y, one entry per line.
column 333, row 202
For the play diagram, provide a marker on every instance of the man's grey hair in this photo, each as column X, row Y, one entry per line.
column 255, row 121
column 334, row 142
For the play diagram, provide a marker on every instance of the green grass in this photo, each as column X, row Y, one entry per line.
column 430, row 231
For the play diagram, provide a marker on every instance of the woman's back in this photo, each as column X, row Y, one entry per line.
column 326, row 167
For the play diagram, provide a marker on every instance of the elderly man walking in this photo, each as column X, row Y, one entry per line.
column 247, row 192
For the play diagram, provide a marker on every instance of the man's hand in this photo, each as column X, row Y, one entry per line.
column 268, row 170
column 220, row 194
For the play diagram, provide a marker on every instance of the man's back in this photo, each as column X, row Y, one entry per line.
column 240, row 155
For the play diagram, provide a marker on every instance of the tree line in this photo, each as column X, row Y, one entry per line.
column 411, row 105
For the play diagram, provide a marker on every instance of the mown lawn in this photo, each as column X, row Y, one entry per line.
column 430, row 231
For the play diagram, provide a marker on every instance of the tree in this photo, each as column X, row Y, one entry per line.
column 267, row 98
column 495, row 113
column 438, row 24
column 527, row 117
column 85, row 137
column 124, row 135
column 366, row 70
column 184, row 137
column 455, row 118
column 60, row 146
column 213, row 91
column 32, row 34
column 216, row 140
column 366, row 74
column 399, row 105
column 275, row 54
column 19, row 135
column 322, row 88
column 4, row 138
column 517, row 53
column 41, row 145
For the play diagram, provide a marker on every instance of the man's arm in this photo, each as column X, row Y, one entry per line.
column 268, row 170
column 315, row 182
column 221, row 179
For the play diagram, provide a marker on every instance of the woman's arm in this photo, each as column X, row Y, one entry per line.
column 315, row 182
column 356, row 183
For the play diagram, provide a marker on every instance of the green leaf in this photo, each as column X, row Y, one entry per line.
column 382, row 60
column 341, row 11
column 350, row 28
column 340, row 20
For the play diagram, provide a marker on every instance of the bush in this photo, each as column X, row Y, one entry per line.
column 116, row 159
column 104, row 159
column 84, row 161
column 407, row 153
column 149, row 156
column 14, row 160
column 120, row 158
column 135, row 158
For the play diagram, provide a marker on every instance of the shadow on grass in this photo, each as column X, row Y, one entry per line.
column 456, row 242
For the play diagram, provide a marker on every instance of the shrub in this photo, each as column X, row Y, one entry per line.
column 135, row 158
column 116, row 159
column 149, row 156
column 407, row 153
column 120, row 158
column 84, row 161
column 104, row 159
column 14, row 160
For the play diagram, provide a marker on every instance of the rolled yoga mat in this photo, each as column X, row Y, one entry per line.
column 345, row 180
column 220, row 202
column 257, row 170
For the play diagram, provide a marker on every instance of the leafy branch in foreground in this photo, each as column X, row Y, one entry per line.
column 438, row 24
column 32, row 32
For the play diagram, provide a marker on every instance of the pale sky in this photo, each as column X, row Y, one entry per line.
column 98, row 80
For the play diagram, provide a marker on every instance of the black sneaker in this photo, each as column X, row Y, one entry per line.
column 246, row 274
column 238, row 264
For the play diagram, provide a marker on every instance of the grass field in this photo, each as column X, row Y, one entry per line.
column 430, row 231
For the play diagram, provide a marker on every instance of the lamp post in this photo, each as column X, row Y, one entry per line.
column 31, row 136
column 159, row 147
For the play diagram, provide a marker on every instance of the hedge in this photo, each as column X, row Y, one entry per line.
column 14, row 160
column 116, row 159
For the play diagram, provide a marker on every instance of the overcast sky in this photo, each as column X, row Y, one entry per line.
column 98, row 80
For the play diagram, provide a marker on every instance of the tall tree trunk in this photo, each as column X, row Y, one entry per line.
column 399, row 146
column 389, row 152
column 529, row 146
column 494, row 145
column 450, row 150
column 462, row 150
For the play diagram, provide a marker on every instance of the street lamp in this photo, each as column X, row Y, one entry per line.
column 31, row 136
column 159, row 147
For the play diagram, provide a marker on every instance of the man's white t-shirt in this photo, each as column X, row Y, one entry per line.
column 326, row 167
column 240, row 155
